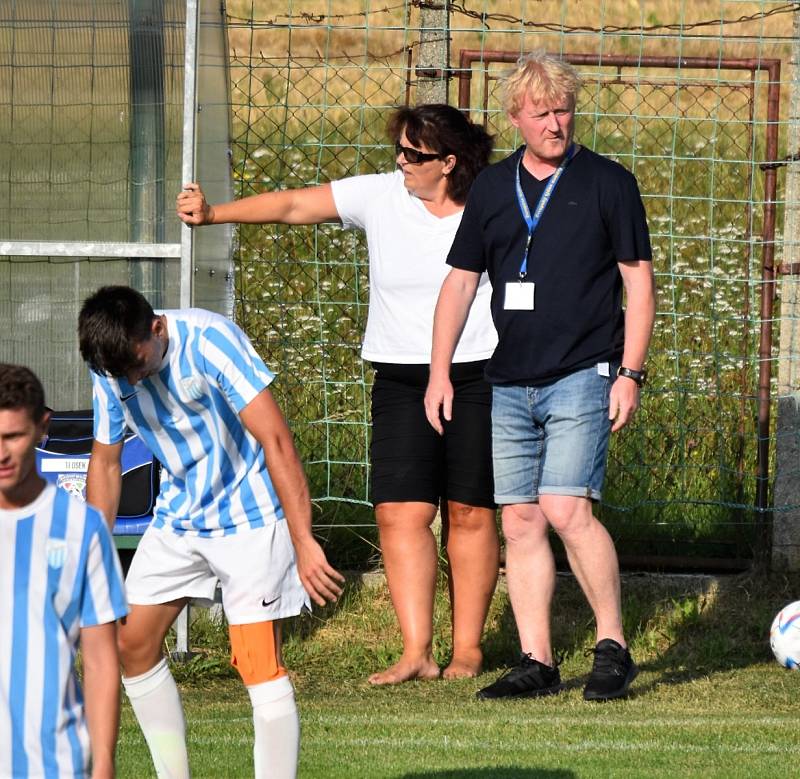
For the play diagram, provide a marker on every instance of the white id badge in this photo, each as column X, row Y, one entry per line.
column 519, row 296
column 603, row 369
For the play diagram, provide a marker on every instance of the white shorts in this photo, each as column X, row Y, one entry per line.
column 255, row 567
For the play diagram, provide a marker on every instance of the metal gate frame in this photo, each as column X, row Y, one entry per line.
column 768, row 166
column 136, row 251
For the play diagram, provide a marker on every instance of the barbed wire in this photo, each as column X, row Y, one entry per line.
column 318, row 59
column 312, row 18
column 482, row 16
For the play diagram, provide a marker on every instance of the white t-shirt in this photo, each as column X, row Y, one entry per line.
column 408, row 247
column 59, row 572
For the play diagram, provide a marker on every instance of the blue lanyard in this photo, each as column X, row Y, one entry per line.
column 532, row 221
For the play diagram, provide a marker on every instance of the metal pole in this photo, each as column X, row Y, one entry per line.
column 786, row 518
column 187, row 167
column 768, row 274
column 146, row 44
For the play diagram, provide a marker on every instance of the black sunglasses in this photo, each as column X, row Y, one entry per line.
column 413, row 156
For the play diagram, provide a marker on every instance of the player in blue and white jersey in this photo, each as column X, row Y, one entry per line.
column 234, row 507
column 60, row 588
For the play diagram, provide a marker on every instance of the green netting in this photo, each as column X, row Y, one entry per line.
column 66, row 125
column 65, row 118
column 686, row 470
column 313, row 85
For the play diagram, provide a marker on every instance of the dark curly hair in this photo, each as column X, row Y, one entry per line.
column 20, row 388
column 111, row 322
column 446, row 130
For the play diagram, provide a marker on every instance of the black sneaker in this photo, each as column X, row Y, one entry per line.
column 529, row 679
column 613, row 671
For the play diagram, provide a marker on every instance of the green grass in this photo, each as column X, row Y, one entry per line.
column 709, row 700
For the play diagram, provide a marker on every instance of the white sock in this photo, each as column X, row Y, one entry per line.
column 157, row 705
column 277, row 729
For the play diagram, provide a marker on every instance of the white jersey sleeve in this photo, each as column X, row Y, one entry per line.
column 232, row 363
column 109, row 418
column 355, row 194
column 104, row 593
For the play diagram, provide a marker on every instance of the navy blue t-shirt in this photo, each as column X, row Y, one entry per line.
column 595, row 219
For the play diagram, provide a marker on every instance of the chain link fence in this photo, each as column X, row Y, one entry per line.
column 312, row 90
column 68, row 147
column 693, row 132
column 681, row 93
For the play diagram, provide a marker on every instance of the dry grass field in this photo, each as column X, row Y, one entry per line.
column 348, row 28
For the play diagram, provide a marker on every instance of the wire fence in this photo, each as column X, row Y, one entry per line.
column 696, row 97
column 679, row 94
column 68, row 135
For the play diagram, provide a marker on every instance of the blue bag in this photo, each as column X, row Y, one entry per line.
column 63, row 458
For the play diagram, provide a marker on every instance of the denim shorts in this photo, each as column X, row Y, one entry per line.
column 552, row 439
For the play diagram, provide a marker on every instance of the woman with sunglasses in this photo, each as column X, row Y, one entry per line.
column 410, row 217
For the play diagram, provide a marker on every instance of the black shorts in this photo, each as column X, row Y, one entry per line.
column 410, row 460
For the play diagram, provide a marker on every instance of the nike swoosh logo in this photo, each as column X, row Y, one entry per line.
column 123, row 398
column 265, row 603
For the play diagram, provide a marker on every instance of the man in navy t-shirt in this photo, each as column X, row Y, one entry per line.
column 561, row 232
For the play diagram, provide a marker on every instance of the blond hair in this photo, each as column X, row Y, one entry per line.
column 542, row 77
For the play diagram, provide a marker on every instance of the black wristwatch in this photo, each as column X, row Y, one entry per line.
column 640, row 377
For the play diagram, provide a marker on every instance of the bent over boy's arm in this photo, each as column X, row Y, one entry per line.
column 264, row 420
column 104, row 479
column 101, row 694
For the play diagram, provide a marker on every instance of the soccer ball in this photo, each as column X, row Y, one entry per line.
column 784, row 636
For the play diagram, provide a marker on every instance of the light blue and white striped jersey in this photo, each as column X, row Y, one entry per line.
column 59, row 572
column 215, row 477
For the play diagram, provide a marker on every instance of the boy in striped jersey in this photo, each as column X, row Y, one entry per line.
column 60, row 587
column 234, row 507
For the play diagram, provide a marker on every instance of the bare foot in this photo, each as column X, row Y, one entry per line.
column 464, row 665
column 406, row 670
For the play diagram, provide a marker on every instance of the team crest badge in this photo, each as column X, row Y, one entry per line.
column 193, row 387
column 74, row 484
column 56, row 552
